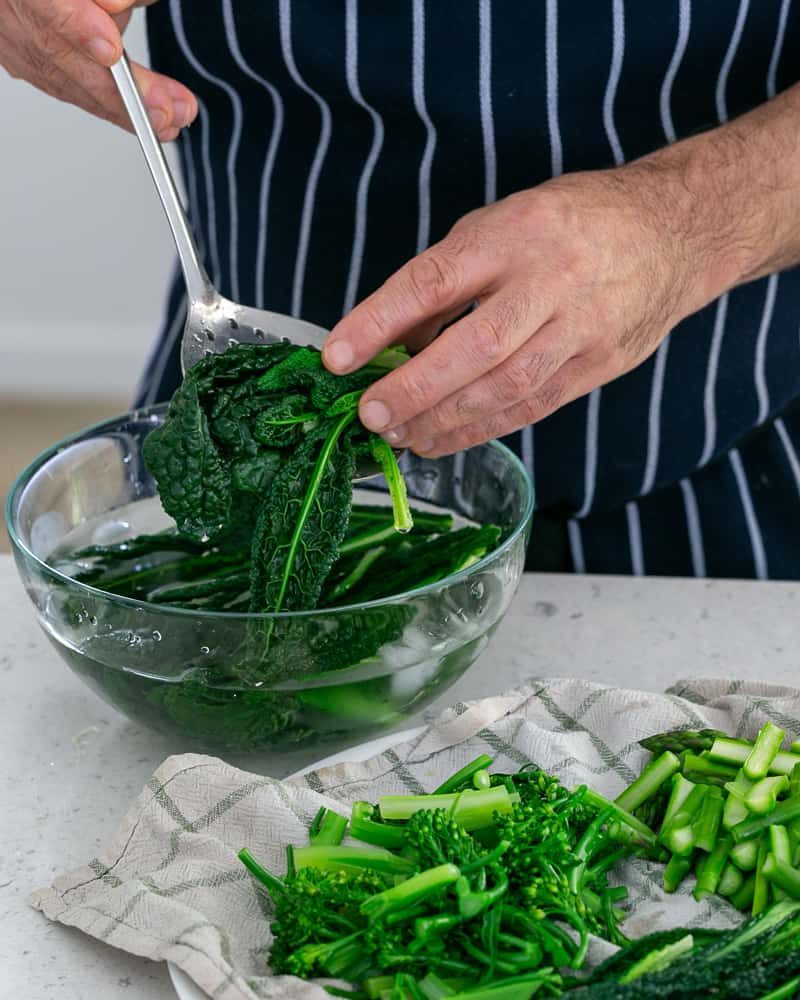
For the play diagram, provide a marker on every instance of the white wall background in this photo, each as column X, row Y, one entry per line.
column 85, row 252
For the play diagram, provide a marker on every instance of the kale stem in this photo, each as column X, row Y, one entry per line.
column 309, row 500
column 386, row 458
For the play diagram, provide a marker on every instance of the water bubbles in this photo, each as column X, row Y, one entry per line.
column 209, row 335
column 156, row 635
column 197, row 338
column 93, row 620
column 259, row 333
column 205, row 650
column 233, row 342
column 233, row 324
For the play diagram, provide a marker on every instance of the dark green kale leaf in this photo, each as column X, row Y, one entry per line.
column 283, row 424
column 219, row 370
column 193, row 481
column 303, row 521
column 255, row 474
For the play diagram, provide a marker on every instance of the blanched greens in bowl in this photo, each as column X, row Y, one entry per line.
column 208, row 572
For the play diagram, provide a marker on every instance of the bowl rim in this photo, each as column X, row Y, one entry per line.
column 144, row 413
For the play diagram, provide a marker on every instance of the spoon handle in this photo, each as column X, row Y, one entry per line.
column 198, row 285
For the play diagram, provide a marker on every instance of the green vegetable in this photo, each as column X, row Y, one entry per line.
column 649, row 781
column 679, row 740
column 737, row 751
column 708, row 879
column 327, row 828
column 758, row 960
column 470, row 892
column 782, row 875
column 768, row 743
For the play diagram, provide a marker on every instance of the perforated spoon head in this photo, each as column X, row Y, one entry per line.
column 213, row 323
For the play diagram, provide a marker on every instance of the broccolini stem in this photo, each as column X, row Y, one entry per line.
column 327, row 828
column 768, row 743
column 411, row 891
column 364, row 827
column 272, row 882
column 337, row 858
column 463, row 777
column 474, row 810
column 649, row 781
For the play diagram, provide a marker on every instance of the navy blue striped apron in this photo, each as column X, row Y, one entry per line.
column 337, row 138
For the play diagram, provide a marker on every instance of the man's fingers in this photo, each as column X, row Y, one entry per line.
column 569, row 382
column 64, row 47
column 523, row 373
column 463, row 353
column 419, row 338
column 169, row 104
column 447, row 276
column 57, row 28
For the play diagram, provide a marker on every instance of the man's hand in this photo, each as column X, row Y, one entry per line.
column 64, row 47
column 575, row 283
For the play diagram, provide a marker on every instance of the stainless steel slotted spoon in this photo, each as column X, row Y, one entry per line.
column 213, row 323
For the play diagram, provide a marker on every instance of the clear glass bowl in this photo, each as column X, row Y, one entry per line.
column 223, row 680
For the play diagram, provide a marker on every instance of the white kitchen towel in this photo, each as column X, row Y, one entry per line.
column 170, row 887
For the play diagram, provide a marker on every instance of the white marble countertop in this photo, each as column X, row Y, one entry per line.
column 69, row 765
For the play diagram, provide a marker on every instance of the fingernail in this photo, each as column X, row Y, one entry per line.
column 424, row 446
column 339, row 356
column 181, row 113
column 102, row 50
column 158, row 118
column 375, row 415
column 396, row 435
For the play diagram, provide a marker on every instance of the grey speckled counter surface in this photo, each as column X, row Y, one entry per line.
column 69, row 765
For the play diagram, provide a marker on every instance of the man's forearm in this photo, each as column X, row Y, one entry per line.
column 732, row 196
